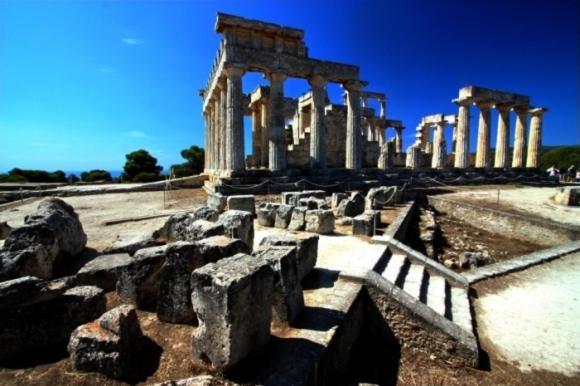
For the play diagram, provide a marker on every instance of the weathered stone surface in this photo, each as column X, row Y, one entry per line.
column 200, row 380
column 233, row 302
column 353, row 206
column 177, row 227
column 216, row 248
column 288, row 299
column 267, row 214
column 297, row 221
column 343, row 221
column 51, row 235
column 337, row 198
column 306, row 249
column 28, row 290
column 365, row 224
column 108, row 344
column 283, row 216
column 5, row 230
column 138, row 282
column 131, row 241
column 378, row 197
column 47, row 325
column 238, row 224
column 217, row 202
column 201, row 229
column 313, row 203
column 568, row 196
column 103, row 270
column 319, row 221
column 293, row 198
column 242, row 202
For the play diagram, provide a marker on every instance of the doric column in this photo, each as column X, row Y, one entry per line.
column 221, row 154
column 462, row 140
column 265, row 133
column 437, row 161
column 380, row 134
column 234, row 120
column 215, row 132
column 256, row 135
column 208, row 137
column 317, row 129
column 425, row 135
column 398, row 140
column 482, row 157
column 414, row 157
column 353, row 136
column 503, row 134
column 535, row 139
column 277, row 148
column 520, row 136
column 383, row 111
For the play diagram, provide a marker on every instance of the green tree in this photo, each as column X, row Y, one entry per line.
column 562, row 156
column 194, row 165
column 96, row 175
column 25, row 175
column 141, row 167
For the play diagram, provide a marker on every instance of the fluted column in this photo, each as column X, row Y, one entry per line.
column 520, row 137
column 256, row 135
column 208, row 137
column 353, row 136
column 438, row 142
column 383, row 111
column 380, row 134
column 218, row 123
column 462, row 140
column 482, row 157
column 317, row 129
column 221, row 153
column 234, row 120
column 398, row 140
column 265, row 133
column 535, row 139
column 503, row 134
column 277, row 148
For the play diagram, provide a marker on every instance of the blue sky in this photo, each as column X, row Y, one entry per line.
column 83, row 83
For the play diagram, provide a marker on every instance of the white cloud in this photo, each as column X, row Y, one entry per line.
column 136, row 134
column 132, row 41
column 106, row 70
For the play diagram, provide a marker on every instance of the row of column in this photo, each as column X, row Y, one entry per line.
column 224, row 122
column 483, row 159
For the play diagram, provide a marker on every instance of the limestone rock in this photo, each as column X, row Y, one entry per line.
column 28, row 290
column 108, row 344
column 283, row 216
column 242, row 202
column 297, row 220
column 177, row 227
column 217, row 202
column 365, row 224
column 351, row 207
column 337, row 198
column 47, row 324
column 103, row 270
column 233, row 302
column 306, row 249
column 131, row 241
column 267, row 214
column 201, row 229
column 378, row 197
column 238, row 224
column 51, row 235
column 5, row 230
column 288, row 299
column 319, row 221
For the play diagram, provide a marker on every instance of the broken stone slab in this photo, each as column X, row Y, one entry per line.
column 306, row 249
column 245, row 202
column 267, row 214
column 378, row 197
column 47, row 325
column 138, row 282
column 293, row 198
column 238, row 224
column 51, row 235
column 319, row 221
column 201, row 229
column 297, row 220
column 103, row 270
column 177, row 227
column 108, row 344
column 233, row 302
column 288, row 299
column 365, row 224
column 352, row 206
column 28, row 290
column 337, row 198
column 131, row 241
column 283, row 216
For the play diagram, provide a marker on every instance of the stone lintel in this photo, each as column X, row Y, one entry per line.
column 374, row 95
column 432, row 119
column 477, row 93
column 260, row 94
column 396, row 123
column 451, row 119
column 225, row 21
column 484, row 104
column 503, row 106
column 538, row 110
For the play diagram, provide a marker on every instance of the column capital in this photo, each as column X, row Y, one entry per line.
column 317, row 81
column 354, row 85
column 276, row 76
column 234, row 70
column 462, row 102
column 537, row 111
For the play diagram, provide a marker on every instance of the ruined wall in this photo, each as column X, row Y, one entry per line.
column 335, row 124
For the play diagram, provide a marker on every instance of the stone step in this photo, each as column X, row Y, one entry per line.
column 460, row 310
column 394, row 266
column 414, row 280
column 436, row 294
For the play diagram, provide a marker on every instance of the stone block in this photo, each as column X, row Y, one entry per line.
column 238, row 224
column 288, row 299
column 267, row 214
column 352, row 206
column 297, row 220
column 242, row 202
column 47, row 325
column 103, row 271
column 377, row 198
column 216, row 201
column 319, row 221
column 177, row 227
column 568, row 197
column 365, row 224
column 233, row 302
column 306, row 249
column 283, row 216
column 201, row 229
column 28, row 290
column 337, row 198
column 138, row 282
column 293, row 198
column 131, row 241
column 108, row 344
